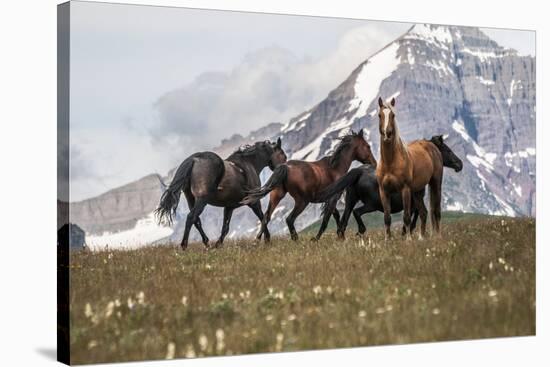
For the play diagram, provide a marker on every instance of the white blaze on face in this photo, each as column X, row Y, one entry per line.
column 386, row 112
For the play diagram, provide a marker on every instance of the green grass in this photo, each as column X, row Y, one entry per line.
column 477, row 281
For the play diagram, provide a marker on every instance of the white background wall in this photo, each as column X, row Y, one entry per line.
column 28, row 182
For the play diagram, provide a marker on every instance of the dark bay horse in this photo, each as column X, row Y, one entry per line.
column 303, row 180
column 205, row 178
column 361, row 184
column 407, row 169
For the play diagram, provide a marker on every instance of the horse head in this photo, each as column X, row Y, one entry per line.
column 277, row 155
column 363, row 153
column 387, row 124
column 449, row 157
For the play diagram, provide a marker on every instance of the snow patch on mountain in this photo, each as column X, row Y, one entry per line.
column 367, row 85
column 482, row 158
column 296, row 125
column 484, row 55
column 146, row 231
column 435, row 35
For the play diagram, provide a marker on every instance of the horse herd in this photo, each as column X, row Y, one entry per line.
column 396, row 183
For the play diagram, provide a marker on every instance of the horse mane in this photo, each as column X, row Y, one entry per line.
column 246, row 150
column 344, row 143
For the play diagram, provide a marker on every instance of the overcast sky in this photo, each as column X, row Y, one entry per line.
column 132, row 66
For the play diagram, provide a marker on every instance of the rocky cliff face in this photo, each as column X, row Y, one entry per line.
column 118, row 209
column 447, row 80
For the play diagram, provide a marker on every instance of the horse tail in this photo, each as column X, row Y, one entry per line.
column 330, row 195
column 278, row 178
column 170, row 198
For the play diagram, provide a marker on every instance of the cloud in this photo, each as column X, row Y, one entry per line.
column 268, row 85
column 102, row 159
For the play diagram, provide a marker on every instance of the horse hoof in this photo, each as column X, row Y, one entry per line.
column 314, row 239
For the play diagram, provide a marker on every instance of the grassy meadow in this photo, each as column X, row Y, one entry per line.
column 477, row 281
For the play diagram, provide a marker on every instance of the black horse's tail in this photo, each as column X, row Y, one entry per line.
column 171, row 197
column 278, row 178
column 330, row 195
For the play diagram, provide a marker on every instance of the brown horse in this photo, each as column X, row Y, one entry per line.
column 407, row 169
column 303, row 180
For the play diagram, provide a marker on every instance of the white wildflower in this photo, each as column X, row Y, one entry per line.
column 203, row 342
column 171, row 350
column 190, row 351
column 141, row 298
column 109, row 309
column 317, row 290
column 279, row 344
column 88, row 312
column 220, row 341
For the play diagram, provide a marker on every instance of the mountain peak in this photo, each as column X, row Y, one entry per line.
column 430, row 33
column 443, row 36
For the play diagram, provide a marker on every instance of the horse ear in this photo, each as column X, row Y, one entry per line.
column 392, row 102
column 278, row 142
column 380, row 102
column 360, row 133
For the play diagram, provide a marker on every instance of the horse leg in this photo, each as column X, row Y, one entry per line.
column 406, row 195
column 419, row 209
column 227, row 213
column 191, row 219
column 257, row 209
column 386, row 204
column 198, row 225
column 326, row 217
column 274, row 198
column 357, row 214
column 435, row 204
column 351, row 200
column 299, row 207
column 414, row 215
column 336, row 215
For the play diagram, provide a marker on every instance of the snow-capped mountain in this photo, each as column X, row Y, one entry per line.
column 446, row 80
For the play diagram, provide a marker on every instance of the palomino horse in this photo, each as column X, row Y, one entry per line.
column 361, row 184
column 303, row 180
column 205, row 178
column 407, row 169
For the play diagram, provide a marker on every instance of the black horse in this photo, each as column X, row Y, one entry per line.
column 361, row 184
column 205, row 178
